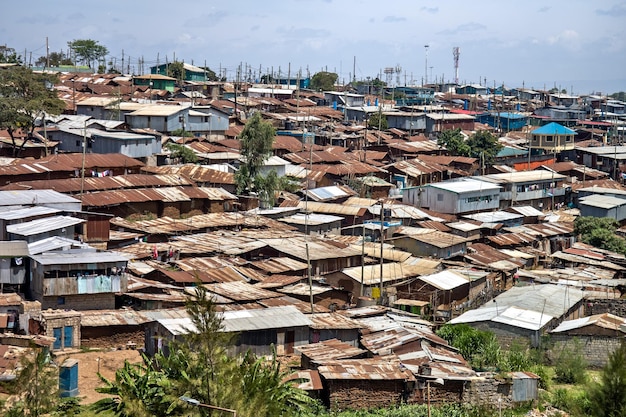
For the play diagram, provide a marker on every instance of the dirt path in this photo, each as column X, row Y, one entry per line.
column 88, row 379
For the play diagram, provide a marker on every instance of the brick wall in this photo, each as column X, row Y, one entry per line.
column 487, row 392
column 104, row 301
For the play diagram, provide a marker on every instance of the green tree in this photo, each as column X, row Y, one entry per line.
column 608, row 398
column 454, row 142
column 324, row 81
column 176, row 70
column 56, row 59
column 256, row 140
column 480, row 348
column 182, row 153
column 8, row 55
column 24, row 97
column 36, row 384
column 378, row 121
column 600, row 232
column 484, row 145
column 87, row 51
column 621, row 96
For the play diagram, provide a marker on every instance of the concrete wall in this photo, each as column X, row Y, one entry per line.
column 62, row 322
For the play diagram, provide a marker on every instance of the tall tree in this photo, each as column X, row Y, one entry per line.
column 378, row 121
column 256, row 138
column 176, row 70
column 25, row 96
column 454, row 142
column 484, row 145
column 8, row 55
column 87, row 51
column 324, row 81
column 36, row 384
column 199, row 366
column 56, row 59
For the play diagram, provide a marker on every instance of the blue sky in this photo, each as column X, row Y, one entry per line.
column 578, row 45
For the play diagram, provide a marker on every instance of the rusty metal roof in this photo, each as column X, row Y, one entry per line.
column 385, row 341
column 308, row 380
column 376, row 369
column 213, row 270
column 392, row 271
column 438, row 239
column 197, row 173
column 512, row 239
column 279, row 265
column 331, row 208
column 240, row 291
column 329, row 350
column 74, row 185
column 304, row 289
column 318, row 248
column 286, row 300
column 165, row 194
column 333, row 321
column 278, row 281
column 69, row 162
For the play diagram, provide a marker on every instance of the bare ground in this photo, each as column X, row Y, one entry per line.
column 88, row 380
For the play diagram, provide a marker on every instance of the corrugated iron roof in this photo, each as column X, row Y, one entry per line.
column 445, row 280
column 240, row 291
column 377, row 369
column 286, row 300
column 512, row 239
column 279, row 265
column 605, row 321
column 329, row 350
column 394, row 271
column 42, row 225
column 334, row 321
column 304, row 289
column 197, row 173
column 308, row 380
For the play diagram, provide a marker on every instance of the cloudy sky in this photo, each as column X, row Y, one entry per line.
column 578, row 45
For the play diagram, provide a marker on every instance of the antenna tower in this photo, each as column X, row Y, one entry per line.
column 389, row 75
column 456, row 52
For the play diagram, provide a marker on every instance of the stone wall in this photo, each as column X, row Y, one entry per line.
column 595, row 349
column 358, row 394
column 488, row 391
column 61, row 322
column 613, row 306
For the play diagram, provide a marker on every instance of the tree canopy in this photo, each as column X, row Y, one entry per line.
column 482, row 144
column 600, row 232
column 8, row 55
column 199, row 366
column 176, row 70
column 25, row 96
column 378, row 121
column 56, row 59
column 87, row 51
column 324, row 81
column 256, row 138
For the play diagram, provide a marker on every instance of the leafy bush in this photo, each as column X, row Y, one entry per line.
column 570, row 367
column 478, row 347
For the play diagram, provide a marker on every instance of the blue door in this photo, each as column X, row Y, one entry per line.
column 56, row 332
column 68, row 334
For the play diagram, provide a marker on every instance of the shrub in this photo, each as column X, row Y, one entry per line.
column 570, row 367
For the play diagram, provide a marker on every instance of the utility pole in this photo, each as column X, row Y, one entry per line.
column 382, row 242
column 47, row 54
column 426, row 64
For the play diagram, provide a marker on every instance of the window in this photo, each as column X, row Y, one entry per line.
column 568, row 138
column 78, row 143
column 550, row 138
column 60, row 301
column 439, row 197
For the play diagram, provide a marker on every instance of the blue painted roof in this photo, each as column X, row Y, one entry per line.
column 508, row 151
column 553, row 129
column 510, row 115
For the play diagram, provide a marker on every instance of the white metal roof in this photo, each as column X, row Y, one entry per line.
column 27, row 212
column 34, row 197
column 445, row 280
column 602, row 201
column 75, row 257
column 46, row 224
column 494, row 216
column 54, row 243
column 465, row 185
column 311, row 219
column 526, row 319
column 522, row 176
